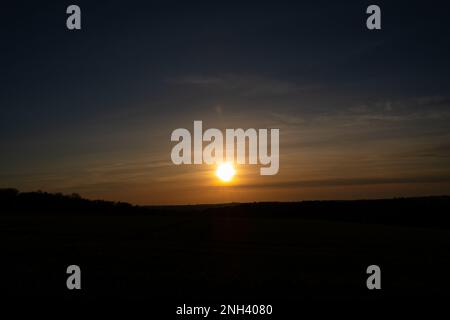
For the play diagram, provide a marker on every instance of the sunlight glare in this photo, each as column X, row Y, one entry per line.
column 225, row 171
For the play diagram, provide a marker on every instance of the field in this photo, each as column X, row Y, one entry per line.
column 220, row 255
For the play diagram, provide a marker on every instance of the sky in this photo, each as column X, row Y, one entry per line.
column 362, row 114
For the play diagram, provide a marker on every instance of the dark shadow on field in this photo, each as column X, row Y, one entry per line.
column 261, row 252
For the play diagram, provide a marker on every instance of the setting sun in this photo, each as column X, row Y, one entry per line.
column 225, row 171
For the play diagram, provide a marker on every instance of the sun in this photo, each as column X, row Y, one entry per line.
column 225, row 171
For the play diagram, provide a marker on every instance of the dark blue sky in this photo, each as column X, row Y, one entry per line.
column 91, row 111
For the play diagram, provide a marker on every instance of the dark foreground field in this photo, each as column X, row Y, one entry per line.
column 222, row 254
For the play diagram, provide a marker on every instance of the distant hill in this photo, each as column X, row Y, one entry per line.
column 420, row 211
column 42, row 203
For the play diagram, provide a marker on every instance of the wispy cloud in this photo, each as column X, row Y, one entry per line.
column 347, row 182
column 244, row 84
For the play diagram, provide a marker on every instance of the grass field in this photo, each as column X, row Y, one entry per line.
column 206, row 256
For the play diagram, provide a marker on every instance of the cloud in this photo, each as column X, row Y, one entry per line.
column 347, row 182
column 290, row 120
column 244, row 84
column 377, row 115
column 433, row 101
